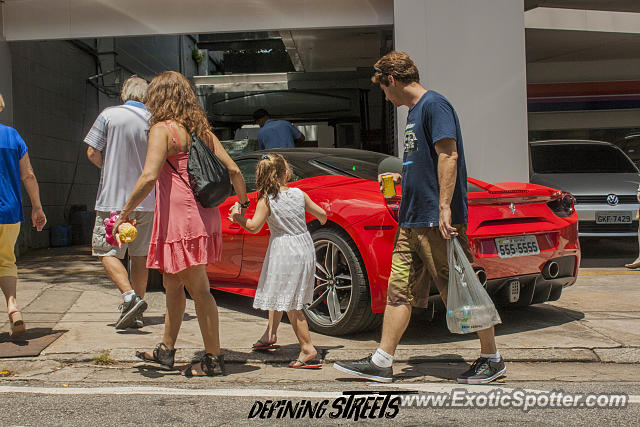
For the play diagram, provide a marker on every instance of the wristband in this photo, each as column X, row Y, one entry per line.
column 245, row 205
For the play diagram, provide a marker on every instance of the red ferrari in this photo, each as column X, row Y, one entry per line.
column 524, row 238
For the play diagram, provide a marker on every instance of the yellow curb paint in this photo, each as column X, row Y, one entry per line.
column 608, row 273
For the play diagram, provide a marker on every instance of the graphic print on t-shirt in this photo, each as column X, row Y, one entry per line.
column 430, row 120
column 410, row 139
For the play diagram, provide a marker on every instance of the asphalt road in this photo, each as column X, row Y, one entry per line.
column 90, row 409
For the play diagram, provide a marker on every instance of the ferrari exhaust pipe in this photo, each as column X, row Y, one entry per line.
column 482, row 277
column 551, row 270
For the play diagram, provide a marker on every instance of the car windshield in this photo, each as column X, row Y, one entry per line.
column 631, row 147
column 366, row 168
column 579, row 158
column 474, row 189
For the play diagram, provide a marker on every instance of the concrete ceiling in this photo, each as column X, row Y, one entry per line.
column 349, row 49
column 610, row 5
column 340, row 50
column 322, row 50
column 567, row 46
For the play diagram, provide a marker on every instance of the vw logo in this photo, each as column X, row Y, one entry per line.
column 612, row 199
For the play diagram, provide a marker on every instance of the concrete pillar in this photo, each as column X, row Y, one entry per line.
column 6, row 81
column 473, row 52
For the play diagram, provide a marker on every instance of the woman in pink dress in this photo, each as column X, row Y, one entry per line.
column 186, row 236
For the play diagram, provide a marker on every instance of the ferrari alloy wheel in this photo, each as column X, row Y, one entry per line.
column 333, row 283
column 341, row 300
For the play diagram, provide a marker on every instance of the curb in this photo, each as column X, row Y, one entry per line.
column 621, row 355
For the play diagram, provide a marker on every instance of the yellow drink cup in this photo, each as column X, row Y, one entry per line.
column 388, row 188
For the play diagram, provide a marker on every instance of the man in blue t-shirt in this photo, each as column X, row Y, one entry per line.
column 434, row 206
column 275, row 133
column 15, row 169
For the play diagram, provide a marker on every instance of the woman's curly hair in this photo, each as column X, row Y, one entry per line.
column 269, row 172
column 170, row 97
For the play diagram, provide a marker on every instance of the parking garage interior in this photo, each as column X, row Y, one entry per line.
column 581, row 83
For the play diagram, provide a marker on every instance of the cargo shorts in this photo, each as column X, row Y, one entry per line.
column 139, row 247
column 420, row 257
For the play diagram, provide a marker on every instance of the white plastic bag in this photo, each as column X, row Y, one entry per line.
column 469, row 307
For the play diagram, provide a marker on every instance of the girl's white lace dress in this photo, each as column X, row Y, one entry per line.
column 287, row 277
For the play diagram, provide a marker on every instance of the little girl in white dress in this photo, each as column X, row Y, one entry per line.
column 287, row 277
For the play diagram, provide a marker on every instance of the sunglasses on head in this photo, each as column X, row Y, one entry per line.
column 378, row 70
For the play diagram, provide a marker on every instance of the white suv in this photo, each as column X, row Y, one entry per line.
column 603, row 180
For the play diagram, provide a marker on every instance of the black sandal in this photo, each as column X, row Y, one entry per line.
column 161, row 355
column 211, row 365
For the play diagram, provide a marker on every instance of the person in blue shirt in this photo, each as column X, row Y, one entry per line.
column 275, row 133
column 15, row 168
column 433, row 207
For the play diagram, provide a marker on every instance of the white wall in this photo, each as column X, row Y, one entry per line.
column 583, row 20
column 474, row 54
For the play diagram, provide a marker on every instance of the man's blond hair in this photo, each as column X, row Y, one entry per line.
column 1, row 103
column 134, row 89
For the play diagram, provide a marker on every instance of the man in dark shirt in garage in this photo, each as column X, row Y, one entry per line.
column 275, row 133
column 434, row 206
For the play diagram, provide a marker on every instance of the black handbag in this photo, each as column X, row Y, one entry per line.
column 208, row 176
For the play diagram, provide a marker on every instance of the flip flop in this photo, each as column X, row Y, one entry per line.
column 633, row 266
column 262, row 346
column 304, row 365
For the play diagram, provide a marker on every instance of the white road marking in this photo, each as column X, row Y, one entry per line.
column 248, row 392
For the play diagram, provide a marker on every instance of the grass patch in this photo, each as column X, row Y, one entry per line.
column 104, row 359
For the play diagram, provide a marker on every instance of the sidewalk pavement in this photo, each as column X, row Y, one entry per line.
column 65, row 289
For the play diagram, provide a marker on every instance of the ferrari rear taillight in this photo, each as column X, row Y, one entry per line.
column 563, row 204
column 393, row 205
